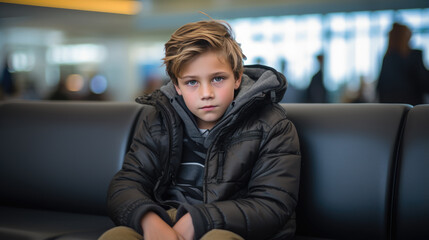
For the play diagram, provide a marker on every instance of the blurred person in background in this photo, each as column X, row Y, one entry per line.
column 316, row 91
column 403, row 77
column 8, row 86
column 363, row 94
column 60, row 92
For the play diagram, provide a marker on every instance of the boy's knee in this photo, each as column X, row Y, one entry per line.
column 121, row 233
column 216, row 234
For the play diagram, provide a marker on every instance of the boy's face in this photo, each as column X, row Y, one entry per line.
column 207, row 85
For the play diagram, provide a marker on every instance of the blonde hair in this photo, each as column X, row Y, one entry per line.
column 194, row 39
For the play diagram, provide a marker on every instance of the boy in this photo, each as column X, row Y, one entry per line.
column 214, row 156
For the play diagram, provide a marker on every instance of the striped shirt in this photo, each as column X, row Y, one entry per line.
column 188, row 184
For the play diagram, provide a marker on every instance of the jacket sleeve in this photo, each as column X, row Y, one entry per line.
column 272, row 191
column 130, row 193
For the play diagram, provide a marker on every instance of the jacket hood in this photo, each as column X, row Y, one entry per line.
column 258, row 82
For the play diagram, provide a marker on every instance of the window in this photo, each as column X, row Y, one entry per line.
column 353, row 44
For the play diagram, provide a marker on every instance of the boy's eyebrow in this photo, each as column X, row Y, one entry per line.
column 188, row 76
column 218, row 73
column 212, row 74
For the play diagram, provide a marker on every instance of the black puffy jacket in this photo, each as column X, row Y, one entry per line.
column 251, row 172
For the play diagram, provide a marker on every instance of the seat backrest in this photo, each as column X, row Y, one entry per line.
column 411, row 205
column 348, row 159
column 62, row 155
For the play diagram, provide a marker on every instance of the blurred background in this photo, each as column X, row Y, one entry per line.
column 112, row 49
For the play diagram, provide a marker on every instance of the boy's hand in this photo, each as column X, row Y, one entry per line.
column 155, row 228
column 185, row 228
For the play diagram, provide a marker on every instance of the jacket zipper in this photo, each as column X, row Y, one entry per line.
column 165, row 172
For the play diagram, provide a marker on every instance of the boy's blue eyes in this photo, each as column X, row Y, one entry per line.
column 191, row 83
column 217, row 79
column 194, row 82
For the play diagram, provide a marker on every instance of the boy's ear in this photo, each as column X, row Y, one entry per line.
column 238, row 82
column 178, row 89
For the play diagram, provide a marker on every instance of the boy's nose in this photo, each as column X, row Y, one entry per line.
column 206, row 91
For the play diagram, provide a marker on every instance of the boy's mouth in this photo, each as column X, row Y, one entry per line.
column 208, row 108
